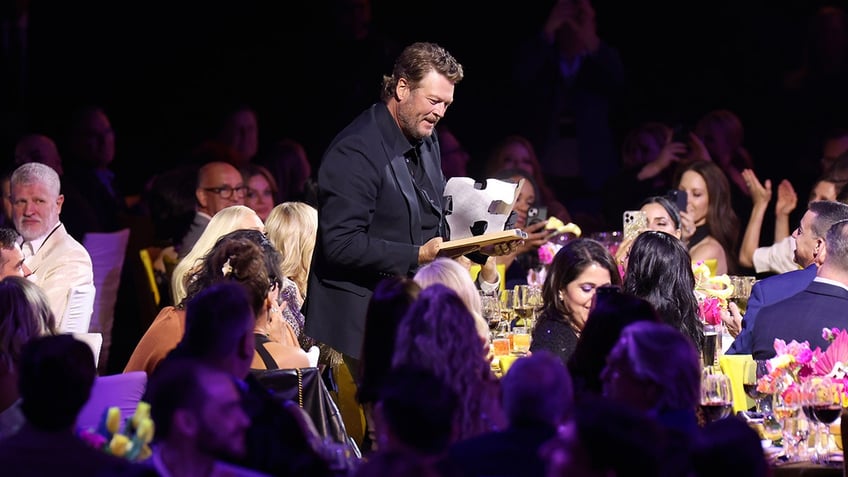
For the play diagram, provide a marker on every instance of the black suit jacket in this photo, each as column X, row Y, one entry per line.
column 369, row 224
column 801, row 317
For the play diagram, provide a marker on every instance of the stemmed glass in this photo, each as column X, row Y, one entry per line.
column 754, row 370
column 716, row 399
column 825, row 398
column 796, row 427
column 490, row 308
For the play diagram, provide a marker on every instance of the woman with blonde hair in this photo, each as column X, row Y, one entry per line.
column 450, row 273
column 228, row 219
column 292, row 228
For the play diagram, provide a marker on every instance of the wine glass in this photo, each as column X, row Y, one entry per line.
column 796, row 427
column 490, row 308
column 754, row 370
column 825, row 398
column 525, row 309
column 716, row 399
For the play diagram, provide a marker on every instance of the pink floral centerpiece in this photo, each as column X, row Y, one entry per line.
column 794, row 362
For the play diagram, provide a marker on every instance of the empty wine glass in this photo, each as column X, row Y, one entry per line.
column 716, row 399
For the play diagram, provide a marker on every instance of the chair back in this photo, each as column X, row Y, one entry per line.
column 120, row 390
column 733, row 365
column 107, row 251
column 147, row 261
column 94, row 341
column 77, row 316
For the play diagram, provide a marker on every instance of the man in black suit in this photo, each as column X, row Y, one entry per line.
column 821, row 305
column 809, row 253
column 380, row 197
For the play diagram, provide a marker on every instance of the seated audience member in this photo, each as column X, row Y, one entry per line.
column 439, row 333
column 517, row 152
column 261, row 189
column 38, row 148
column 11, row 256
column 576, row 272
column 655, row 369
column 450, row 273
column 613, row 310
column 219, row 185
column 245, row 257
column 219, row 328
column 56, row 261
column 415, row 413
column 24, row 315
column 822, row 304
column 710, row 225
column 537, row 397
column 662, row 215
column 391, row 300
column 288, row 163
column 526, row 256
column 776, row 258
column 199, row 420
column 228, row 219
column 56, row 376
column 658, row 269
column 292, row 228
column 239, row 131
column 729, row 447
column 810, row 245
column 583, row 445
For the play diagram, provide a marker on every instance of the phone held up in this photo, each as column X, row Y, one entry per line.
column 633, row 223
column 536, row 215
column 678, row 198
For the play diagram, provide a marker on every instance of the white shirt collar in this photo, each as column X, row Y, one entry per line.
column 36, row 244
column 831, row 282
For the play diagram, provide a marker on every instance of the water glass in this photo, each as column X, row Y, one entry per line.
column 709, row 352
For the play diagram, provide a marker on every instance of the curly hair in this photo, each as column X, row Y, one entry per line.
column 226, row 220
column 438, row 332
column 572, row 259
column 659, row 270
column 244, row 256
column 24, row 315
column 292, row 227
column 413, row 64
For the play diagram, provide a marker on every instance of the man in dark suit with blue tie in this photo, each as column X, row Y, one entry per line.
column 822, row 304
column 809, row 253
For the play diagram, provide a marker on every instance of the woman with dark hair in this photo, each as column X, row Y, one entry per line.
column 525, row 257
column 613, row 311
column 661, row 214
column 659, row 270
column 390, row 301
column 579, row 268
column 247, row 257
column 710, row 226
column 438, row 333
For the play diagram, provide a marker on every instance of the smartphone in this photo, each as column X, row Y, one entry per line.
column 634, row 222
column 679, row 198
column 536, row 215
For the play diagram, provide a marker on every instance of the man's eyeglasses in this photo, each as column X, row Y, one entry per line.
column 226, row 191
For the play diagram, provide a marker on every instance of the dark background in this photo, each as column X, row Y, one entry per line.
column 164, row 69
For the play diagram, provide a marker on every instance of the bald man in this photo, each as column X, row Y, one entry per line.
column 219, row 185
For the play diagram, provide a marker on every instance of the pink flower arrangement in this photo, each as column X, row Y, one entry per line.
column 709, row 310
column 795, row 361
column 547, row 252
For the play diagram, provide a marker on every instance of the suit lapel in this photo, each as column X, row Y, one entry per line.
column 407, row 188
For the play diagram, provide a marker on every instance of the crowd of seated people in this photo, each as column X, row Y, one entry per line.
column 234, row 225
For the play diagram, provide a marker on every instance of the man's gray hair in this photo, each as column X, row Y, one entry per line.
column 837, row 245
column 37, row 173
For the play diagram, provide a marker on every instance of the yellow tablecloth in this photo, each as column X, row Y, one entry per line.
column 733, row 365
